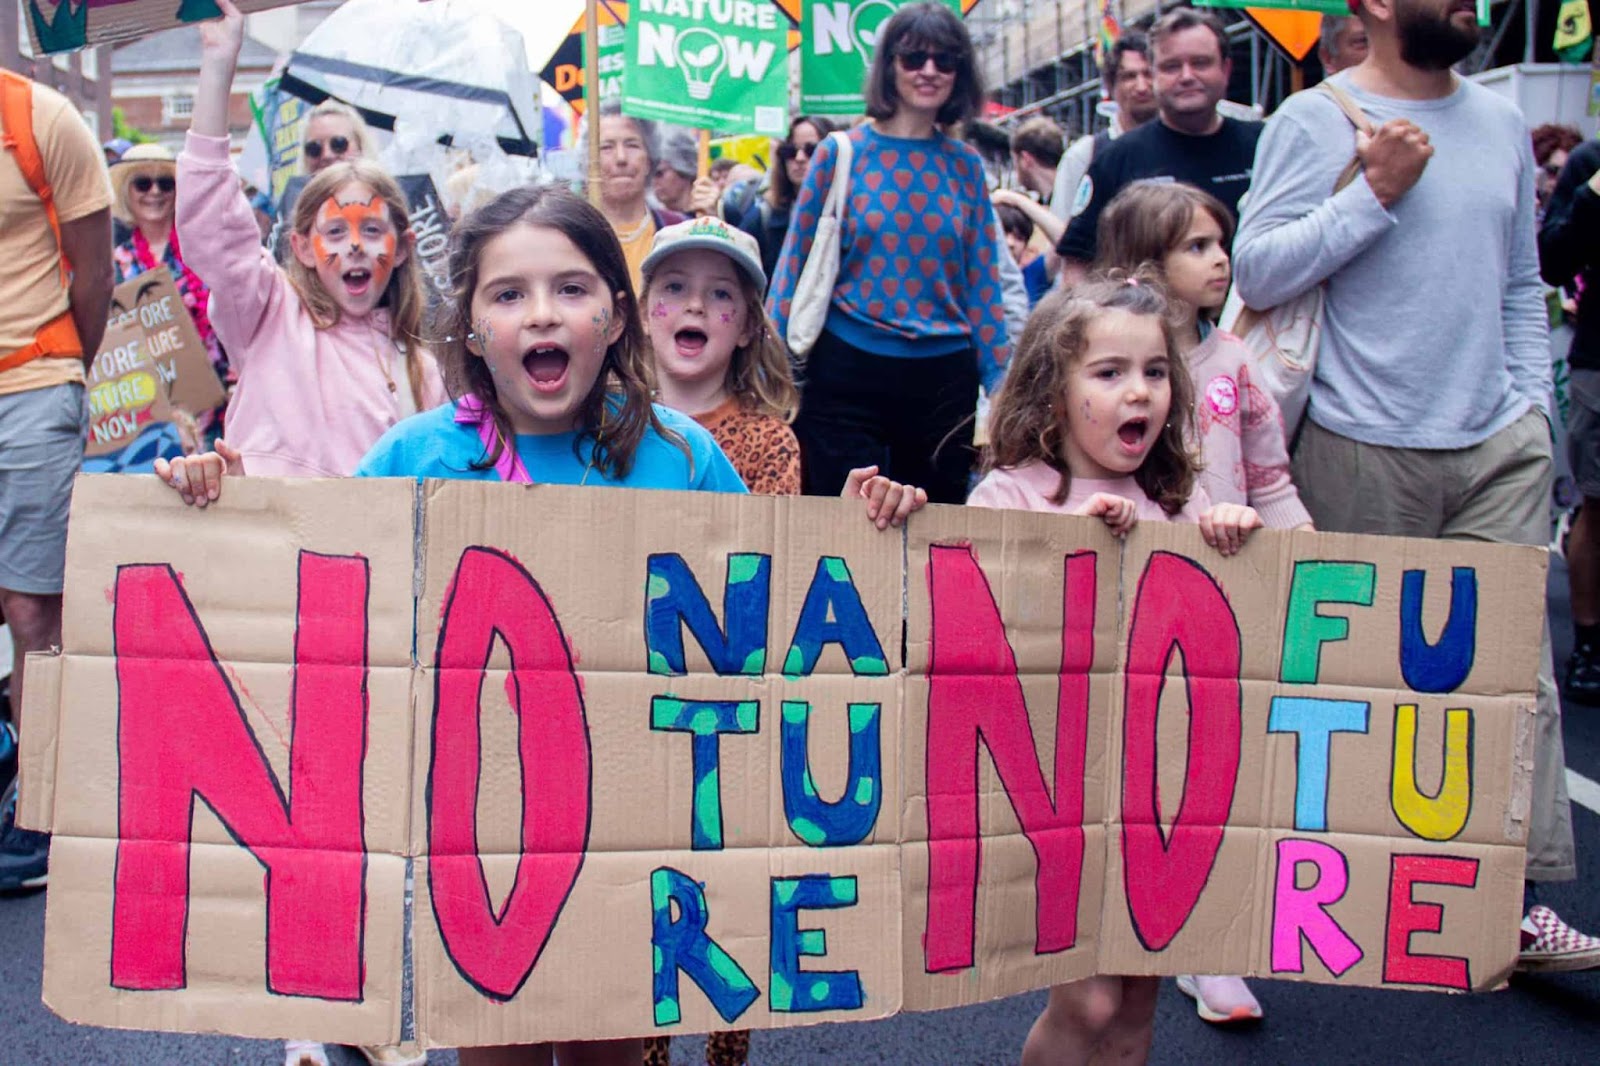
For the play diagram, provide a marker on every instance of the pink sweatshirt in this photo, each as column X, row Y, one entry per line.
column 1029, row 487
column 1240, row 434
column 310, row 402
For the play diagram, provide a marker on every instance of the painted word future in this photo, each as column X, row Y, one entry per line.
column 1342, row 789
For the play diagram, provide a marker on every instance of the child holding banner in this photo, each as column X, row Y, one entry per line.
column 1183, row 233
column 1094, row 419
column 546, row 351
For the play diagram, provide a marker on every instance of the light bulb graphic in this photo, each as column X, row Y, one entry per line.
column 702, row 58
column 865, row 21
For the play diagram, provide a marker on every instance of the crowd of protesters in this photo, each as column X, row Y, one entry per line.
column 1110, row 390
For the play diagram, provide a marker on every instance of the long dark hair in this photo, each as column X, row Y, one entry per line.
column 617, row 412
column 1029, row 420
column 936, row 28
column 781, row 192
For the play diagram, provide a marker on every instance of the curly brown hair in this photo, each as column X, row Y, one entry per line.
column 617, row 412
column 1029, row 420
column 1551, row 138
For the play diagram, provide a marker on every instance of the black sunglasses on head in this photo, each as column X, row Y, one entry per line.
column 913, row 61
column 336, row 145
column 144, row 183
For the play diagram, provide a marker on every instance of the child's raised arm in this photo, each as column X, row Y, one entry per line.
column 1226, row 526
column 1119, row 512
column 198, row 478
column 220, row 41
column 889, row 503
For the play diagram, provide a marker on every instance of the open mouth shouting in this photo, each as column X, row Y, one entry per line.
column 690, row 342
column 357, row 281
column 546, row 367
column 1132, row 433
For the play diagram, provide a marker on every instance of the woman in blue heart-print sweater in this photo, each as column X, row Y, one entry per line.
column 916, row 319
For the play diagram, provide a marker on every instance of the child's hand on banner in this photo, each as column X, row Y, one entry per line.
column 223, row 37
column 1118, row 512
column 198, row 478
column 1226, row 526
column 889, row 503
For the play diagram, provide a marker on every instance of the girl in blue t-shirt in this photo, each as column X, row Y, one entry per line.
column 546, row 355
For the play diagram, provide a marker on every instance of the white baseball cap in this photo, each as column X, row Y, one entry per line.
column 712, row 234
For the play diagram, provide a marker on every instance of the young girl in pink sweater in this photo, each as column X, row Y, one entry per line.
column 1093, row 419
column 326, row 351
column 1184, row 232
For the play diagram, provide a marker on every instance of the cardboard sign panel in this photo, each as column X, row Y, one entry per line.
column 66, row 25
column 665, row 763
column 151, row 361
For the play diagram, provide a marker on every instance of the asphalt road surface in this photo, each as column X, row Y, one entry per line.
column 1554, row 1020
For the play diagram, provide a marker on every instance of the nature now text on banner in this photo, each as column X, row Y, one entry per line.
column 564, row 71
column 713, row 64
column 837, row 40
column 669, row 762
column 63, row 25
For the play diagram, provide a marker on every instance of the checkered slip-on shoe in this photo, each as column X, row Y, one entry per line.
column 1550, row 945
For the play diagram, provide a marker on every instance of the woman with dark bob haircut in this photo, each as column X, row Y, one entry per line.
column 915, row 319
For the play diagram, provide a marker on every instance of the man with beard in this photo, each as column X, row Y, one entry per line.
column 1192, row 142
column 1428, row 413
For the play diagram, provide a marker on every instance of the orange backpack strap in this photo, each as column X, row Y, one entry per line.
column 58, row 337
column 16, row 116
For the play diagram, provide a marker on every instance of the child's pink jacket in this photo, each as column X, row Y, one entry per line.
column 1239, row 430
column 310, row 402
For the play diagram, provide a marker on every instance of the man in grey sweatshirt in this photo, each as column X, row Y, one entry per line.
column 1428, row 414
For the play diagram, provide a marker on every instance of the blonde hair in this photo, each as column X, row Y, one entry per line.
column 1029, row 420
column 404, row 295
column 360, row 132
column 758, row 373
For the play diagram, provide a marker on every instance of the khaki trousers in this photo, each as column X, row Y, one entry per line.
column 1498, row 490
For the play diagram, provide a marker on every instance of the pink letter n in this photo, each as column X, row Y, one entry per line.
column 182, row 737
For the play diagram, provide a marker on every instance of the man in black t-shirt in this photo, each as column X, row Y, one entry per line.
column 1191, row 142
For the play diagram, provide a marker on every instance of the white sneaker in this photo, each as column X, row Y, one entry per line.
column 304, row 1053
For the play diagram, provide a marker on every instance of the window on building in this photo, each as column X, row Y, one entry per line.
column 179, row 107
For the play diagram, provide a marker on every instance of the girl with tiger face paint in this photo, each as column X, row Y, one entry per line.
column 354, row 247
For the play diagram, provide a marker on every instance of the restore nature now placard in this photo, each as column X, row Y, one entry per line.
column 671, row 762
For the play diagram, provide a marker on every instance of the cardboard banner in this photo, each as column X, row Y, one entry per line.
column 676, row 762
column 151, row 361
column 686, row 67
column 837, row 42
column 66, row 25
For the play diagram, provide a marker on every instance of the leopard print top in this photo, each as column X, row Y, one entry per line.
column 762, row 448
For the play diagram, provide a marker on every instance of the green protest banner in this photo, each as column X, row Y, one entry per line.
column 712, row 64
column 1326, row 7
column 837, row 39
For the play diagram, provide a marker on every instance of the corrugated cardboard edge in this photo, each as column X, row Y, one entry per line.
column 36, row 767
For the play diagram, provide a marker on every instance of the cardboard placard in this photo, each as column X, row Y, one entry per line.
column 67, row 25
column 676, row 762
column 151, row 361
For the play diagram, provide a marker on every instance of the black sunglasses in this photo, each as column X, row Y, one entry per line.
column 144, row 183
column 789, row 150
column 944, row 62
column 336, row 145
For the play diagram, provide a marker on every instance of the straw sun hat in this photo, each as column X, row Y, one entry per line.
column 153, row 159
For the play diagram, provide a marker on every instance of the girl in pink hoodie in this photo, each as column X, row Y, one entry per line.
column 327, row 351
